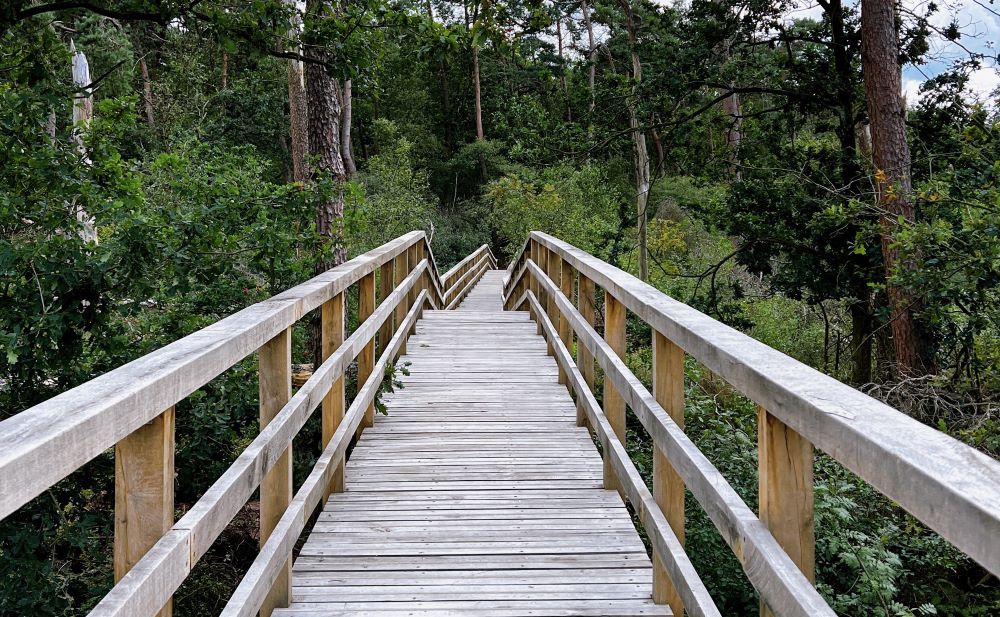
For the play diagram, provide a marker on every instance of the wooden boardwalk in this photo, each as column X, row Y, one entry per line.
column 477, row 494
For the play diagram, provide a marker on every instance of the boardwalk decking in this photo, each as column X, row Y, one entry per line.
column 477, row 494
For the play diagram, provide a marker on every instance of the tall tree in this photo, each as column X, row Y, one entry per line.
column 323, row 104
column 640, row 152
column 891, row 158
column 346, row 149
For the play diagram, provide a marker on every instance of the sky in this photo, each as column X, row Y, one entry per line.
column 979, row 22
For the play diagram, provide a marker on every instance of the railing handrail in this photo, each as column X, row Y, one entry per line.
column 464, row 283
column 43, row 444
column 951, row 487
column 474, row 256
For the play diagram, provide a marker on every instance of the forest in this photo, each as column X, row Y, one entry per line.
column 824, row 176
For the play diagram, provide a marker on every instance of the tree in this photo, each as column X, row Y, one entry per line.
column 891, row 157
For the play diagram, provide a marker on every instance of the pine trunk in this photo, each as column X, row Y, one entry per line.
column 299, row 122
column 641, row 153
column 323, row 105
column 891, row 158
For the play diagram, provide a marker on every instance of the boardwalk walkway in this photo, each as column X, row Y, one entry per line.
column 477, row 494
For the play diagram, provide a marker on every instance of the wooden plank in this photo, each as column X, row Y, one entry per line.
column 668, row 488
column 332, row 319
column 144, row 493
column 366, row 359
column 275, row 358
column 386, row 283
column 614, row 404
column 785, row 470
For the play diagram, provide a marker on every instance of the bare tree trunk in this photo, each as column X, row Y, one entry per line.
column 298, row 121
column 641, row 160
column 147, row 90
column 225, row 69
column 734, row 134
column 562, row 68
column 480, row 134
column 346, row 149
column 83, row 111
column 891, row 158
column 592, row 68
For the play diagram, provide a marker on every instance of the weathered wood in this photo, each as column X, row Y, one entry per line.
column 275, row 358
column 769, row 568
column 400, row 266
column 250, row 594
column 585, row 359
column 144, row 493
column 666, row 545
column 668, row 488
column 149, row 584
column 42, row 445
column 912, row 464
column 332, row 321
column 366, row 359
column 386, row 282
column 614, row 404
column 785, row 469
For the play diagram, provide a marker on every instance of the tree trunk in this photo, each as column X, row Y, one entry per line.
column 480, row 134
column 641, row 160
column 147, row 90
column 323, row 106
column 225, row 69
column 345, row 130
column 891, row 158
column 562, row 68
column 299, row 122
column 592, row 68
column 734, row 134
column 861, row 342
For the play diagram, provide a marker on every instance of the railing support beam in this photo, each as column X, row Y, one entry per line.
column 614, row 404
column 785, row 466
column 332, row 328
column 668, row 488
column 144, row 493
column 366, row 359
column 275, row 358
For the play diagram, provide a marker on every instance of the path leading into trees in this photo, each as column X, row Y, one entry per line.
column 477, row 494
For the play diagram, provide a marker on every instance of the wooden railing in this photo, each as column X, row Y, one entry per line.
column 460, row 280
column 951, row 487
column 132, row 409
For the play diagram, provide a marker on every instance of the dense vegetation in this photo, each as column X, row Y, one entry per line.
column 734, row 154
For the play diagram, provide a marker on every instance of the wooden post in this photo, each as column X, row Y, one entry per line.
column 332, row 328
column 366, row 359
column 785, row 467
column 400, row 269
column 614, row 404
column 566, row 286
column 275, row 358
column 144, row 493
column 533, row 253
column 386, row 285
column 413, row 259
column 668, row 488
column 584, row 359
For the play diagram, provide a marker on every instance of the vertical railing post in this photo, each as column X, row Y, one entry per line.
column 275, row 359
column 332, row 337
column 412, row 260
column 400, row 269
column 533, row 254
column 585, row 359
column 565, row 283
column 366, row 359
column 614, row 404
column 785, row 467
column 668, row 488
column 385, row 285
column 144, row 493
